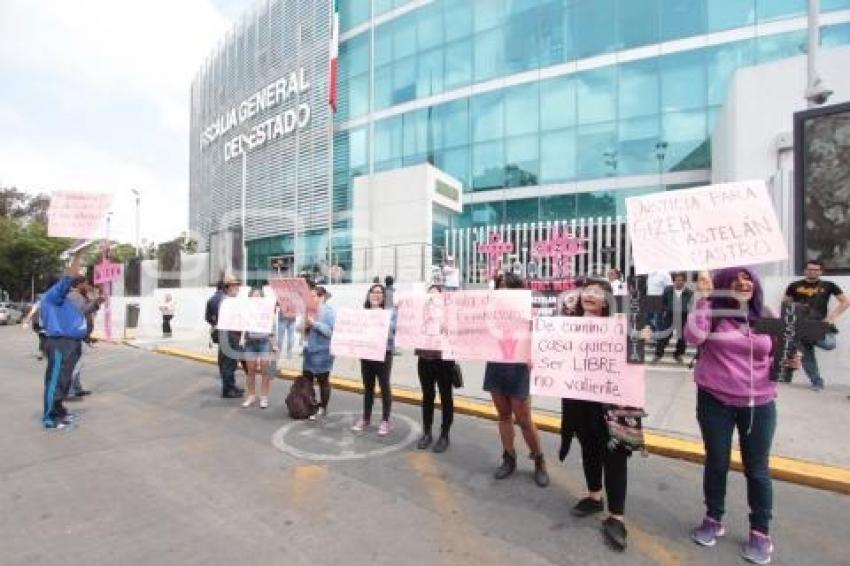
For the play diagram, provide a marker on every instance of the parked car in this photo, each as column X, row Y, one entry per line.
column 9, row 314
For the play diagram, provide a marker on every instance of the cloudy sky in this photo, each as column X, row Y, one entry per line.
column 94, row 95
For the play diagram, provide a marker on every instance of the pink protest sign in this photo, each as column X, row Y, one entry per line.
column 107, row 272
column 420, row 320
column 246, row 314
column 361, row 333
column 491, row 326
column 293, row 296
column 494, row 249
column 585, row 358
column 76, row 214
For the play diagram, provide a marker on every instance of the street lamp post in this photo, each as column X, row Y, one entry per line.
column 138, row 220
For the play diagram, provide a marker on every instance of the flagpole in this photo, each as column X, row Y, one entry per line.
column 333, row 55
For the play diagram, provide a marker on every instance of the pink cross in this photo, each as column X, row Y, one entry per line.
column 561, row 246
column 494, row 249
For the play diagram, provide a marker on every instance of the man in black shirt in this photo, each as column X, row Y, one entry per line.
column 814, row 293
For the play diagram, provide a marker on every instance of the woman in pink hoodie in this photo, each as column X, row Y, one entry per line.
column 735, row 390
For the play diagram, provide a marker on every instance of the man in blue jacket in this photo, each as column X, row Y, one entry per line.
column 65, row 327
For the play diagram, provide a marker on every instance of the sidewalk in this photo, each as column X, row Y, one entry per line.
column 810, row 426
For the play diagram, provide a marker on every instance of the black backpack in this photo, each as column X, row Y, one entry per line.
column 299, row 401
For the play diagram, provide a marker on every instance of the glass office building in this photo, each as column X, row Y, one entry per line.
column 545, row 109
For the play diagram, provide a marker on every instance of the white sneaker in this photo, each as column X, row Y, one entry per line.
column 264, row 402
column 321, row 413
column 360, row 425
column 312, row 417
column 384, row 428
column 249, row 401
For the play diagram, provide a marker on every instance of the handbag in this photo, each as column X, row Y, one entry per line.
column 625, row 429
column 457, row 375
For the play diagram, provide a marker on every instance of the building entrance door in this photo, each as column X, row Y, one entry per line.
column 283, row 265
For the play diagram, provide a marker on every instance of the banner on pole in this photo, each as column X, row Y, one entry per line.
column 77, row 214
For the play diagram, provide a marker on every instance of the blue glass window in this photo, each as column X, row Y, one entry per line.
column 354, row 56
column 522, row 38
column 522, row 210
column 833, row 36
column 683, row 80
column 597, row 95
column 780, row 46
column 383, row 94
column 636, row 153
column 638, row 22
column 404, row 80
column 458, row 64
column 685, row 134
column 457, row 19
column 728, row 14
column 382, row 6
column 488, row 14
column 358, row 96
column 522, row 161
column 828, row 5
column 521, row 109
column 597, row 150
column 779, row 9
column 489, row 54
column 559, row 207
column 722, row 62
column 682, row 18
column 556, row 44
column 388, row 140
column 404, row 36
column 488, row 165
column 455, row 162
column 639, row 89
column 557, row 103
column 429, row 73
column 594, row 27
column 352, row 13
column 415, row 137
column 358, row 149
column 383, row 44
column 487, row 116
column 454, row 117
column 430, row 26
column 558, row 156
column 488, row 213
column 596, row 204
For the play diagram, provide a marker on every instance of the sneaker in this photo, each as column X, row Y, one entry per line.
column 56, row 425
column 264, row 402
column 708, row 532
column 442, row 444
column 425, row 441
column 232, row 394
column 360, row 425
column 384, row 428
column 587, row 506
column 507, row 467
column 312, row 417
column 817, row 387
column 321, row 412
column 249, row 401
column 615, row 533
column 82, row 393
column 69, row 418
column 758, row 549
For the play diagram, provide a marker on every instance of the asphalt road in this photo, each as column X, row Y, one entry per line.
column 161, row 470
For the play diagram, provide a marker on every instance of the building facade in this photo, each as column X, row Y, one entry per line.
column 543, row 110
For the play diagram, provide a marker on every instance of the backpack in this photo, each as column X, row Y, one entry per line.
column 300, row 401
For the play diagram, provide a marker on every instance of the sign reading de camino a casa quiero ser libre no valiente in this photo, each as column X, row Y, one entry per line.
column 282, row 91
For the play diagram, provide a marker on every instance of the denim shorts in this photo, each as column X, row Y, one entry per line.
column 256, row 350
column 511, row 379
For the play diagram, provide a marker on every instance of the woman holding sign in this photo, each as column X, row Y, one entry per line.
column 371, row 370
column 603, row 458
column 257, row 349
column 735, row 390
column 318, row 360
column 509, row 386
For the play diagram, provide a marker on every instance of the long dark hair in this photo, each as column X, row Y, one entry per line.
column 603, row 284
column 723, row 280
column 368, row 303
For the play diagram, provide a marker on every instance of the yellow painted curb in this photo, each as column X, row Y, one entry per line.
column 792, row 470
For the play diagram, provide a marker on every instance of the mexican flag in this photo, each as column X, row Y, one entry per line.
column 334, row 57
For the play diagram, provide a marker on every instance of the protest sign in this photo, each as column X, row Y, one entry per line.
column 293, row 296
column 704, row 228
column 361, row 333
column 107, row 272
column 420, row 320
column 76, row 214
column 246, row 314
column 488, row 325
column 585, row 358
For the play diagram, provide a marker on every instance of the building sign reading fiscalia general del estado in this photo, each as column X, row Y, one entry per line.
column 282, row 91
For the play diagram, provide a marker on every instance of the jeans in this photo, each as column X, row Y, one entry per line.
column 227, row 371
column 370, row 371
column 76, row 385
column 166, row 325
column 756, row 426
column 434, row 374
column 324, row 381
column 810, row 364
column 286, row 329
column 62, row 356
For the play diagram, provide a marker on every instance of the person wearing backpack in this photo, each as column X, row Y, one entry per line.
column 371, row 370
column 318, row 361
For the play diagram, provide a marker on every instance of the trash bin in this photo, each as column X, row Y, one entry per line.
column 132, row 316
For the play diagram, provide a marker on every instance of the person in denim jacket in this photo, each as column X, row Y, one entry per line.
column 318, row 361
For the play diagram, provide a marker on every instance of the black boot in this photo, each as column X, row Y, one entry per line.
column 508, row 466
column 425, row 441
column 541, row 477
column 442, row 443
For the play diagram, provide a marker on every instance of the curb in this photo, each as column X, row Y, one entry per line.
column 791, row 470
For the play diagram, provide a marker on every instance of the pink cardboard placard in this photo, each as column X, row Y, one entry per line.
column 585, row 358
column 293, row 296
column 420, row 320
column 107, row 272
column 246, row 314
column 490, row 326
column 76, row 214
column 361, row 333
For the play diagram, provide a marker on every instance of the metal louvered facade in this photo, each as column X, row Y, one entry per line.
column 287, row 180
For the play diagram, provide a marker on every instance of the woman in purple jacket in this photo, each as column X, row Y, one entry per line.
column 735, row 390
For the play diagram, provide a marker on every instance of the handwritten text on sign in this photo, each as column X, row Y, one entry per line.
column 76, row 214
column 705, row 228
column 420, row 320
column 585, row 358
column 247, row 314
column 293, row 296
column 107, row 272
column 488, row 325
column 361, row 333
